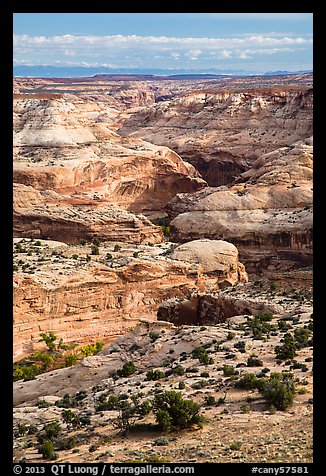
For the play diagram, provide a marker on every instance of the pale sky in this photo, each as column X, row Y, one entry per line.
column 249, row 41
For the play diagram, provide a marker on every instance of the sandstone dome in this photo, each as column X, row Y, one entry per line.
column 214, row 256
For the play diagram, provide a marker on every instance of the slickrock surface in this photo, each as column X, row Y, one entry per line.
column 222, row 133
column 56, row 287
column 238, row 427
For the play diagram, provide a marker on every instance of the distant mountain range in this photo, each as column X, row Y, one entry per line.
column 83, row 71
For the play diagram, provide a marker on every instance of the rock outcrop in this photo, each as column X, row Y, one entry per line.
column 214, row 257
column 66, row 152
column 60, row 287
column 222, row 133
column 268, row 216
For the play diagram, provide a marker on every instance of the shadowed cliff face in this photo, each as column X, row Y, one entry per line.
column 268, row 215
column 223, row 133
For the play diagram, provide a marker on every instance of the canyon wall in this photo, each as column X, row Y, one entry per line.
column 221, row 132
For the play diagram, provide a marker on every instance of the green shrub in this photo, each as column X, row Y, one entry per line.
column 47, row 449
column 210, row 401
column 229, row 370
column 302, row 337
column 178, row 370
column 155, row 374
column 95, row 250
column 70, row 359
column 252, row 361
column 96, row 242
column 49, row 338
column 279, row 390
column 287, row 350
column 117, row 248
column 249, row 381
column 241, row 346
column 153, row 336
column 65, row 443
column 127, row 369
column 181, row 385
column 201, row 354
column 174, row 412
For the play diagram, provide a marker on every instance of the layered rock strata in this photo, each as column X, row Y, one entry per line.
column 83, row 300
column 222, row 133
column 268, row 216
column 66, row 152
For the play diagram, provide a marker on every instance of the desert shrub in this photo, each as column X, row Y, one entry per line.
column 174, row 412
column 178, row 370
column 96, row 242
column 283, row 325
column 260, row 324
column 82, row 242
column 49, row 338
column 278, row 390
column 69, row 416
column 181, row 385
column 127, row 369
column 155, row 374
column 93, row 448
column 135, row 254
column 245, row 408
column 204, row 374
column 287, row 350
column 236, row 445
column 229, row 370
column 161, row 441
column 70, row 359
column 252, row 361
column 116, row 248
column 67, row 401
column 201, row 354
column 210, row 401
column 43, row 404
column 130, row 413
column 153, row 336
column 302, row 337
column 74, row 256
column 241, row 346
column 230, row 335
column 65, row 443
column 95, row 250
column 109, row 256
column 248, row 381
column 46, row 449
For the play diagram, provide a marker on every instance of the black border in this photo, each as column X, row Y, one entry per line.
column 7, row 11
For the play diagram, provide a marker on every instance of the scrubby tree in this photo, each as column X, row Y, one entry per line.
column 174, row 412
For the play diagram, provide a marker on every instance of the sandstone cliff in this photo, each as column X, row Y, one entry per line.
column 268, row 216
column 222, row 133
column 66, row 152
column 57, row 288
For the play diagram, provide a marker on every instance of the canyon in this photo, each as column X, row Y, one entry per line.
column 159, row 216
